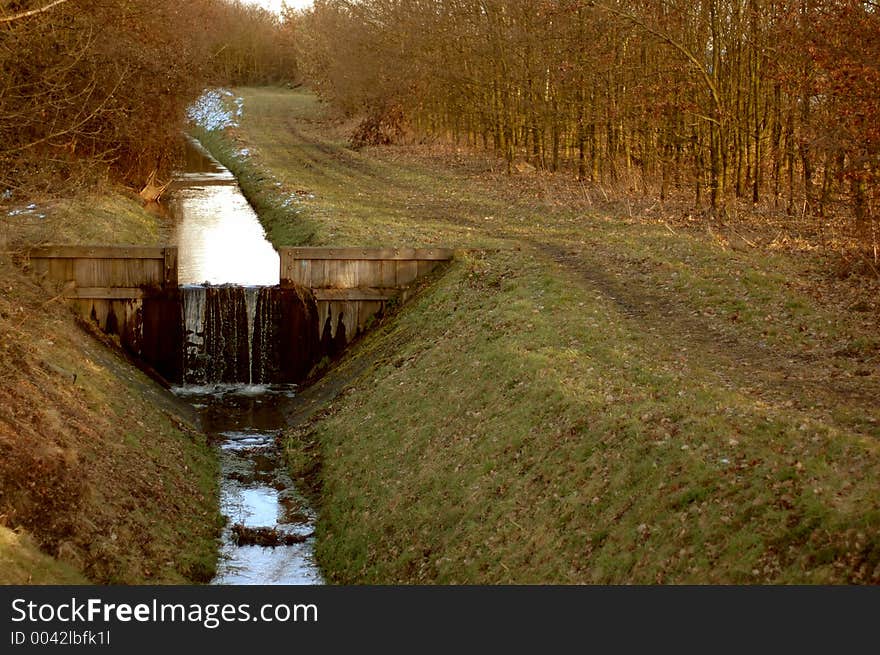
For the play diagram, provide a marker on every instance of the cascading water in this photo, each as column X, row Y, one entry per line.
column 250, row 302
column 245, row 340
column 247, row 335
column 217, row 329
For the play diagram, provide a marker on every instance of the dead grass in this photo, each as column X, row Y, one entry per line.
column 21, row 562
column 611, row 397
column 108, row 215
column 97, row 469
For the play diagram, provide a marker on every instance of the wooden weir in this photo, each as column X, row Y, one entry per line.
column 107, row 272
column 352, row 285
column 132, row 291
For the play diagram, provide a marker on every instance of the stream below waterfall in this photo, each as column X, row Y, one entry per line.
column 229, row 274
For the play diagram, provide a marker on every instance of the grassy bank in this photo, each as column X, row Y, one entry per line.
column 100, row 478
column 276, row 207
column 608, row 396
column 108, row 215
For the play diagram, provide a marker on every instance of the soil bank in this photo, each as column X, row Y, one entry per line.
column 103, row 479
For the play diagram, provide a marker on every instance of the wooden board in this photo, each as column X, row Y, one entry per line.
column 389, row 274
column 108, row 293
column 318, row 275
column 170, row 275
column 369, row 272
column 351, row 295
column 366, row 311
column 61, row 270
column 107, row 267
column 352, row 268
column 343, row 274
column 407, row 273
column 97, row 252
column 388, row 254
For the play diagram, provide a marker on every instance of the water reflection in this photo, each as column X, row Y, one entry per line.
column 218, row 235
column 256, row 490
column 220, row 241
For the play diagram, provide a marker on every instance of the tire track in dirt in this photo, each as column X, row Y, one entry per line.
column 814, row 383
column 791, row 379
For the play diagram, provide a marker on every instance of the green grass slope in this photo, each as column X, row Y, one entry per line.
column 100, row 478
column 590, row 396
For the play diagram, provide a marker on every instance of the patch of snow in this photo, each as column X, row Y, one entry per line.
column 24, row 210
column 210, row 111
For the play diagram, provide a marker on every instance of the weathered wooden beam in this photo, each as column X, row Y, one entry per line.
column 106, row 293
column 407, row 272
column 97, row 252
column 333, row 295
column 170, row 276
column 388, row 254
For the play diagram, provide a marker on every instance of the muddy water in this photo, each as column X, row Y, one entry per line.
column 220, row 241
column 255, row 490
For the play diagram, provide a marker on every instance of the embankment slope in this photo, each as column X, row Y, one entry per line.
column 101, row 480
column 607, row 398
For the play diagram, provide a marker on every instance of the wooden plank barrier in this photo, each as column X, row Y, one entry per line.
column 111, row 268
column 119, row 288
column 352, row 285
column 132, row 291
column 352, row 268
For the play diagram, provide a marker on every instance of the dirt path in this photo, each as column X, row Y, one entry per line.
column 792, row 379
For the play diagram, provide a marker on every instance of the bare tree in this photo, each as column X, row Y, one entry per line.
column 749, row 101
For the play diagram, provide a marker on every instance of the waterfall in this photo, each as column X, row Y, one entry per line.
column 194, row 301
column 251, row 296
column 252, row 335
column 267, row 311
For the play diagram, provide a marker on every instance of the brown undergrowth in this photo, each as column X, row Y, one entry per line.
column 98, row 471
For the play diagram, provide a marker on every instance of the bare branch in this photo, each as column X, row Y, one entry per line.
column 32, row 12
column 669, row 40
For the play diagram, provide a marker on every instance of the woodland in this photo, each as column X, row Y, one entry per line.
column 95, row 89
column 734, row 105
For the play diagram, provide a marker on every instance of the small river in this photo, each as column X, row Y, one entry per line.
column 220, row 241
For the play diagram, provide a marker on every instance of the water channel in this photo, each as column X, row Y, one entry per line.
column 221, row 242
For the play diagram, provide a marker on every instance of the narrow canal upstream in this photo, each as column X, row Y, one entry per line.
column 268, row 534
